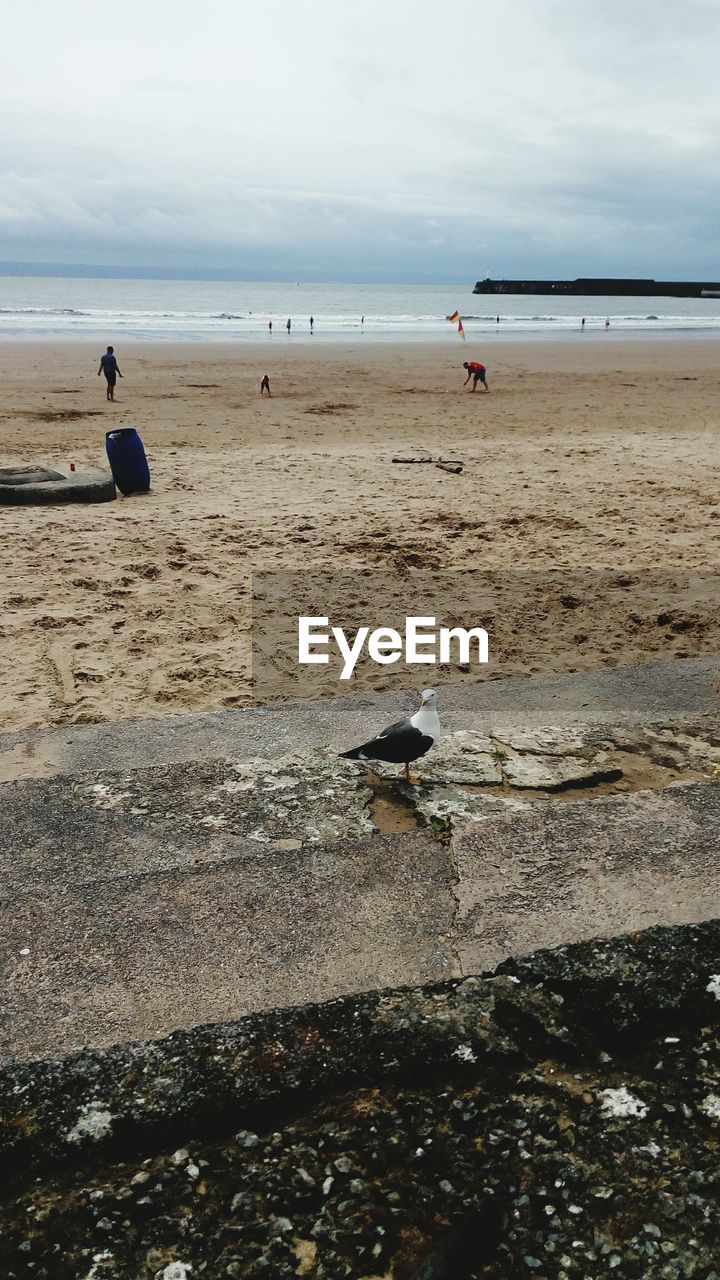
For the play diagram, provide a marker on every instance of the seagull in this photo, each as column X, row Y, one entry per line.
column 405, row 741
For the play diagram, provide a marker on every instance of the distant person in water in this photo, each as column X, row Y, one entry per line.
column 582, row 323
column 312, row 322
column 265, row 385
column 270, row 327
column 109, row 366
column 289, row 326
column 476, row 371
column 607, row 323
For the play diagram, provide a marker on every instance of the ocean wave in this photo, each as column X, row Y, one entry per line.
column 112, row 311
column 41, row 311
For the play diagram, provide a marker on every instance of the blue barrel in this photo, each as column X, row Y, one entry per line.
column 128, row 463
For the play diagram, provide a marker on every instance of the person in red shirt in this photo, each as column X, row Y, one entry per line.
column 476, row 371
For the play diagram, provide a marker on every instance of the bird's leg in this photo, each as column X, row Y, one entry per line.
column 407, row 772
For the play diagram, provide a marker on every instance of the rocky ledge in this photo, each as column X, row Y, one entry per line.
column 299, row 799
column 557, row 1119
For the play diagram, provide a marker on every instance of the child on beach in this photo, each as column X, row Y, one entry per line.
column 109, row 366
column 264, row 385
column 476, row 371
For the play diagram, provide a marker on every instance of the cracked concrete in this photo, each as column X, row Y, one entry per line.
column 451, row 938
column 140, row 900
column 622, row 860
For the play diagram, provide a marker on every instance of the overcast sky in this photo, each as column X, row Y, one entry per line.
column 390, row 139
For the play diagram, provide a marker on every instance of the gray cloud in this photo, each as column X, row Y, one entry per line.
column 408, row 140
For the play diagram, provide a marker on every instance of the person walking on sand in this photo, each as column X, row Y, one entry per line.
column 476, row 371
column 264, row 385
column 109, row 366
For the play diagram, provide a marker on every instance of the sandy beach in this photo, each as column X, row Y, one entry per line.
column 594, row 461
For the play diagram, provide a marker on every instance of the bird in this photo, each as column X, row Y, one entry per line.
column 405, row 741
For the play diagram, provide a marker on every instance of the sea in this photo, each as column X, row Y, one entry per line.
column 109, row 310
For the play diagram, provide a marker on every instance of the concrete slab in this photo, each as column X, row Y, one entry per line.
column 616, row 695
column 564, row 1107
column 617, row 863
column 161, row 890
column 134, row 904
column 132, row 934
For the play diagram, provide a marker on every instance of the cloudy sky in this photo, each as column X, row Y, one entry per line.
column 429, row 140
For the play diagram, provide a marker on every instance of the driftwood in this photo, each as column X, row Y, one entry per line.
column 446, row 464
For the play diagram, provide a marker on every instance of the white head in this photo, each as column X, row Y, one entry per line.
column 426, row 716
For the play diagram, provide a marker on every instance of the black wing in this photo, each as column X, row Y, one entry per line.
column 400, row 743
